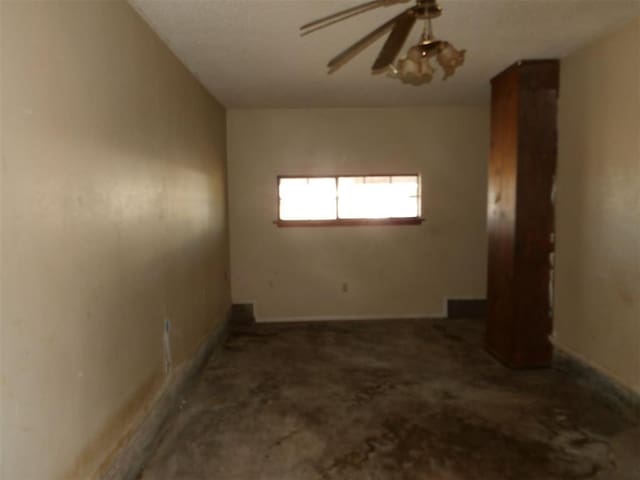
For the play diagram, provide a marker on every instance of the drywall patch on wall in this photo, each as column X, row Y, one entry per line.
column 597, row 298
column 294, row 273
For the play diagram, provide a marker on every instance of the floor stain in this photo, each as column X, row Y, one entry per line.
column 388, row 400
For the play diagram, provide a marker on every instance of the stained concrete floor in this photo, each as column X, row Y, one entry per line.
column 415, row 400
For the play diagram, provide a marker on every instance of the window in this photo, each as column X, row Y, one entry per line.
column 349, row 200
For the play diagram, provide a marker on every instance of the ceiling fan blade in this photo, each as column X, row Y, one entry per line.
column 347, row 13
column 319, row 25
column 361, row 44
column 396, row 40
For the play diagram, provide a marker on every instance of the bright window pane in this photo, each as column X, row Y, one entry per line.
column 406, row 185
column 357, row 197
column 308, row 198
column 378, row 197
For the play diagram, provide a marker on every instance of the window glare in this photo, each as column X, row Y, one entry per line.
column 377, row 197
column 307, row 198
column 357, row 197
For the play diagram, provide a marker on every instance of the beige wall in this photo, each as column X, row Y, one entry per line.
column 2, row 330
column 390, row 271
column 597, row 308
column 114, row 220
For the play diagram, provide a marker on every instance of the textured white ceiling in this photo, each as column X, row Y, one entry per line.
column 248, row 53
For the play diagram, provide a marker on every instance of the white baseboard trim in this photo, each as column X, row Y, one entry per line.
column 259, row 318
column 345, row 318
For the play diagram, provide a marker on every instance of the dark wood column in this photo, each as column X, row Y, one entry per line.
column 520, row 213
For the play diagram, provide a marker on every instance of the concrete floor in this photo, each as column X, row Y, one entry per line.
column 388, row 400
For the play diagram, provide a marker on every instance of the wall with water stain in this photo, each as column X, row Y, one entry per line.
column 597, row 287
column 113, row 223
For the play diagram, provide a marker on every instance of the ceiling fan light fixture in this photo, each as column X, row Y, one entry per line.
column 450, row 59
column 413, row 69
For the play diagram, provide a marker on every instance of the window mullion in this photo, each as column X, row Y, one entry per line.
column 337, row 199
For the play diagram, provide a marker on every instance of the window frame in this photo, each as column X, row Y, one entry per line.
column 338, row 222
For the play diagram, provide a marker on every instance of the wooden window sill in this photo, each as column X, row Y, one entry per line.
column 349, row 222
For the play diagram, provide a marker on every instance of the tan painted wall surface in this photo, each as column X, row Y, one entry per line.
column 114, row 219
column 597, row 308
column 408, row 270
column 1, row 261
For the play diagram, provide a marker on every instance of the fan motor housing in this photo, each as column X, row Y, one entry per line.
column 427, row 9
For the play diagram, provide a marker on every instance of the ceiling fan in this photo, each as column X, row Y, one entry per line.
column 415, row 67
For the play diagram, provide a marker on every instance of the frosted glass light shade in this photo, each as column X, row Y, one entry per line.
column 416, row 69
column 449, row 59
column 413, row 69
